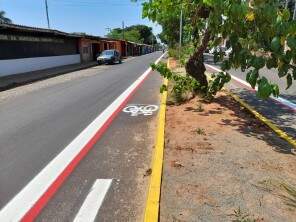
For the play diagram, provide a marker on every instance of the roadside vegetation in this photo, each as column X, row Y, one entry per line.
column 134, row 33
column 260, row 33
column 222, row 164
column 4, row 18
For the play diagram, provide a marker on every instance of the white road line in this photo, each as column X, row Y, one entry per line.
column 93, row 201
column 17, row 208
column 279, row 99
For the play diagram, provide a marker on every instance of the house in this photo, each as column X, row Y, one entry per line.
column 119, row 45
column 26, row 49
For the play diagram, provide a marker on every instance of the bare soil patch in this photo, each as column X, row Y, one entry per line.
column 222, row 164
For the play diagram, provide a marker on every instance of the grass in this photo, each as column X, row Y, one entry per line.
column 199, row 108
column 178, row 95
column 283, row 190
column 240, row 216
column 200, row 131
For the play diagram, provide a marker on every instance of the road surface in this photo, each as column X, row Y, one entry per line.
column 280, row 111
column 39, row 121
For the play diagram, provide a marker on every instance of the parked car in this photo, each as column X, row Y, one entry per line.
column 109, row 56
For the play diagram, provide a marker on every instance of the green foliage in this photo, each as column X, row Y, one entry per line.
column 132, row 35
column 168, row 19
column 252, row 77
column 174, row 53
column 3, row 18
column 217, row 82
column 183, row 54
column 200, row 131
column 145, row 33
column 257, row 31
column 135, row 33
column 264, row 88
column 182, row 84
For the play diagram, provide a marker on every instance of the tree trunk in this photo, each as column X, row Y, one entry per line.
column 195, row 66
column 196, row 69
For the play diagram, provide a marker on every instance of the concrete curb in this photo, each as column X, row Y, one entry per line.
column 263, row 119
column 153, row 197
column 25, row 78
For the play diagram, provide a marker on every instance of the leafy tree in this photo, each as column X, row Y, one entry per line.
column 290, row 4
column 145, row 33
column 3, row 17
column 134, row 36
column 135, row 33
column 131, row 35
column 260, row 33
column 170, row 31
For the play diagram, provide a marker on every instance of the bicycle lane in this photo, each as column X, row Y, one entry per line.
column 123, row 156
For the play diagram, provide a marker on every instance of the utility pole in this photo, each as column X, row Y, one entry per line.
column 287, row 3
column 294, row 14
column 286, row 6
column 108, row 29
column 181, row 30
column 122, row 30
column 46, row 6
column 152, row 41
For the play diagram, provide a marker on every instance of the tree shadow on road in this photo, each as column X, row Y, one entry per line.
column 282, row 116
column 246, row 123
column 289, row 97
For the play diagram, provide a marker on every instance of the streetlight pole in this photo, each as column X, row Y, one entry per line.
column 46, row 7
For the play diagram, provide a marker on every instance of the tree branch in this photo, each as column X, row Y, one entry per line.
column 204, row 44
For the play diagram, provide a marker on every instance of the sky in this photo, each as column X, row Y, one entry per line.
column 90, row 16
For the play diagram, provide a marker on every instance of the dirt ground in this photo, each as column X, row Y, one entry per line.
column 221, row 164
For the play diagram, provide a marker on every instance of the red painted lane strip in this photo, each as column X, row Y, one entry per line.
column 45, row 198
column 254, row 91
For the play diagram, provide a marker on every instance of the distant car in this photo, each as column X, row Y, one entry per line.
column 228, row 51
column 217, row 49
column 109, row 57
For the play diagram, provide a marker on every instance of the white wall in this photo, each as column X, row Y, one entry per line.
column 15, row 66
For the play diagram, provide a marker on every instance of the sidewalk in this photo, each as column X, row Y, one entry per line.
column 12, row 81
column 222, row 164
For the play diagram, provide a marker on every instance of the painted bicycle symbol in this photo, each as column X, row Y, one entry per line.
column 140, row 109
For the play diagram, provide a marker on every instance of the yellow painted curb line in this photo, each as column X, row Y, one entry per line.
column 263, row 119
column 153, row 199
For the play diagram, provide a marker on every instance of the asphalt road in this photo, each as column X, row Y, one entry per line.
column 282, row 115
column 39, row 120
column 270, row 74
